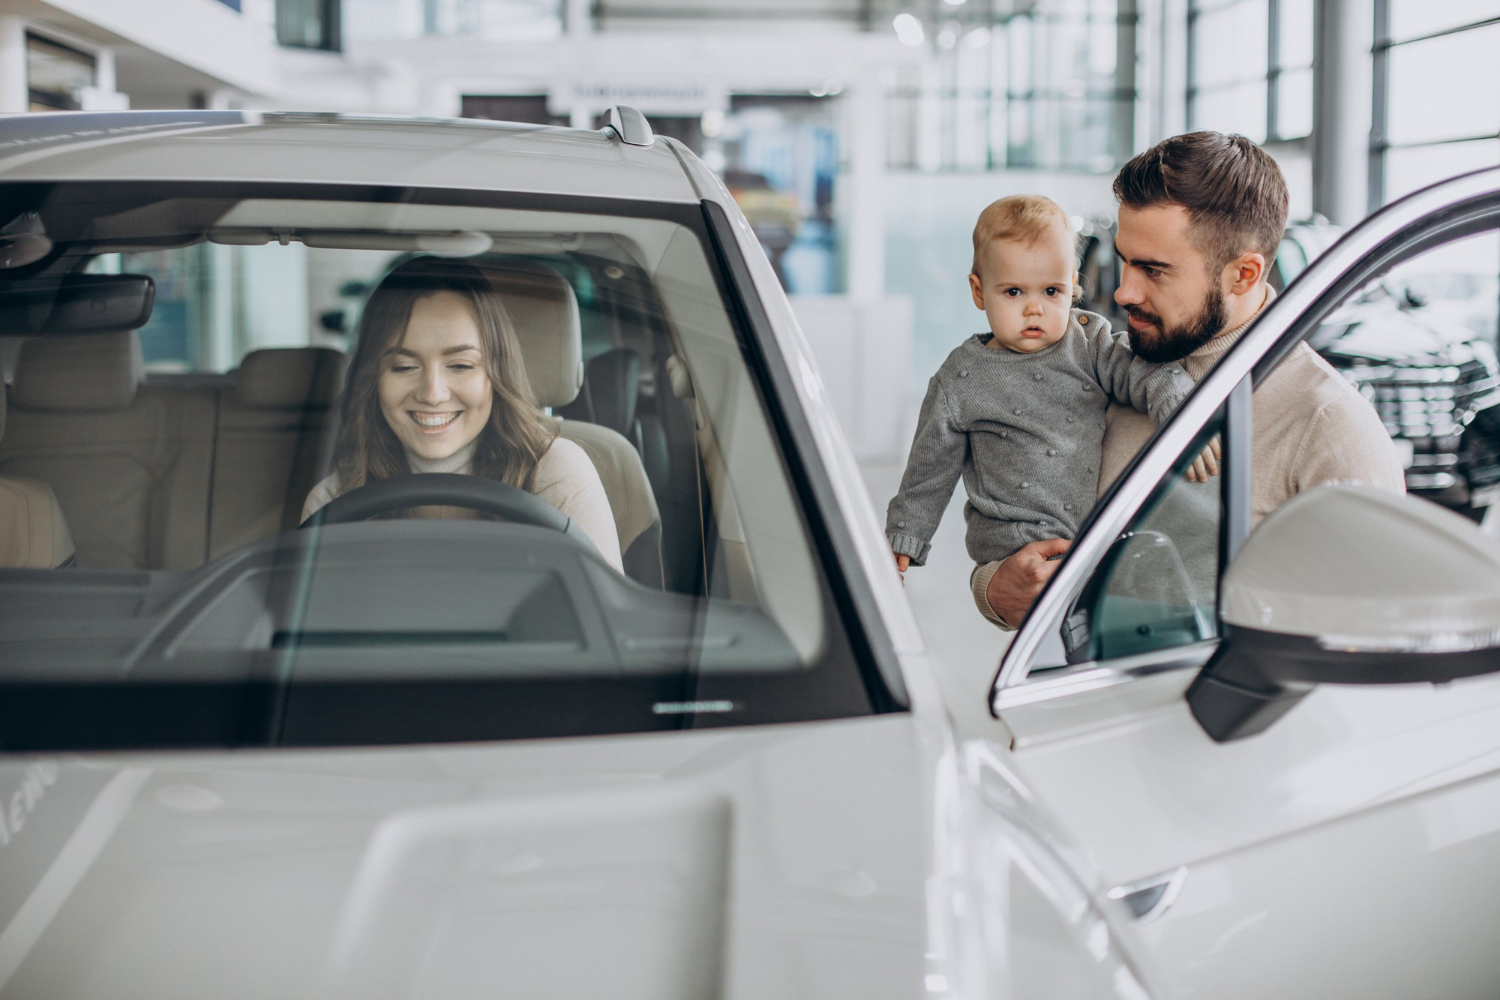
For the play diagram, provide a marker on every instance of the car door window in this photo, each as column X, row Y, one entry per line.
column 1158, row 586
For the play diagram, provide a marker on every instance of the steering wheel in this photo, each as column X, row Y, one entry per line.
column 445, row 489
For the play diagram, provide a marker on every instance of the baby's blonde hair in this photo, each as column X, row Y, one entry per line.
column 1021, row 218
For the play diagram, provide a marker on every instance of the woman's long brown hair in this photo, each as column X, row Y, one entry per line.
column 517, row 434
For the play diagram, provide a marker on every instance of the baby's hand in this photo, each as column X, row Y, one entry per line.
column 1206, row 465
column 902, row 564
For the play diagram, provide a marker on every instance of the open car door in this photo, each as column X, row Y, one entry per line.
column 1344, row 841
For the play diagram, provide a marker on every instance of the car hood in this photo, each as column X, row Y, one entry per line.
column 1381, row 332
column 777, row 861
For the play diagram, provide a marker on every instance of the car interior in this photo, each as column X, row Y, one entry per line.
column 167, row 471
column 175, row 395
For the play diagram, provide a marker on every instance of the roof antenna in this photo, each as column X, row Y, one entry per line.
column 629, row 125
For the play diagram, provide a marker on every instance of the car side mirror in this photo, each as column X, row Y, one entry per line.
column 1348, row 585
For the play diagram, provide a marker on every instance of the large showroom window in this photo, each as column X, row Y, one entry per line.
column 56, row 74
column 1433, row 124
column 1437, row 114
column 1258, row 80
column 495, row 20
column 1039, row 88
column 309, row 24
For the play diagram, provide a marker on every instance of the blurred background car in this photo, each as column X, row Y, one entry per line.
column 774, row 215
column 1421, row 347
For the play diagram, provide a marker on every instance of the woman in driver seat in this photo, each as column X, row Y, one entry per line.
column 437, row 384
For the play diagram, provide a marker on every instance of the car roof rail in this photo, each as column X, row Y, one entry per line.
column 629, row 126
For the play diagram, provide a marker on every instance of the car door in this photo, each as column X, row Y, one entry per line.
column 1351, row 849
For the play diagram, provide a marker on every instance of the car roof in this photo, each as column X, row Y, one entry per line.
column 336, row 148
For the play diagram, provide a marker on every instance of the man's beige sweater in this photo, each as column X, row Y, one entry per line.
column 1310, row 427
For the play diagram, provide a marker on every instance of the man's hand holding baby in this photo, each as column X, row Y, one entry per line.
column 1020, row 578
column 1206, row 465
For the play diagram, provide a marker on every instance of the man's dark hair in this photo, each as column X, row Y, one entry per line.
column 1233, row 191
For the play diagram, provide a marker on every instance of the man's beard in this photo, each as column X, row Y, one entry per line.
column 1177, row 342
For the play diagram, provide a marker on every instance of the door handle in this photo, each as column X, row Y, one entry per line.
column 1149, row 898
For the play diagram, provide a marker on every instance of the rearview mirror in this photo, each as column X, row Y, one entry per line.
column 76, row 303
column 1348, row 585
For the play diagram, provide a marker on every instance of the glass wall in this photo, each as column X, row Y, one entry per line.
column 56, row 74
column 1437, row 114
column 779, row 155
column 1440, row 113
column 507, row 20
column 1250, row 68
column 310, row 24
column 1045, row 87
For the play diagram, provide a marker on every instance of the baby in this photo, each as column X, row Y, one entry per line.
column 1019, row 412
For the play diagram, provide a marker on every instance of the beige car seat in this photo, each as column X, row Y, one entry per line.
column 33, row 531
column 544, row 310
column 275, row 435
column 130, row 465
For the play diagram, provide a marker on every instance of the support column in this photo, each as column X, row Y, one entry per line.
column 1173, row 111
column 578, row 17
column 1161, row 71
column 866, row 203
column 13, row 92
column 1132, row 48
column 103, row 96
column 1343, row 90
column 578, row 26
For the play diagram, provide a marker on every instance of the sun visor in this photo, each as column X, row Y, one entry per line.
column 77, row 303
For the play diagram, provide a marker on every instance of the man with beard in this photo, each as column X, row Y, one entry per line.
column 1200, row 219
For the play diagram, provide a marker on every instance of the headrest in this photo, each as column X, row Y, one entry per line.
column 283, row 378
column 544, row 311
column 614, row 388
column 96, row 371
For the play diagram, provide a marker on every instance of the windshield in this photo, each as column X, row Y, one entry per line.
column 318, row 467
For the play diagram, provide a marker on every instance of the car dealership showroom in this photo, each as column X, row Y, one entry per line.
column 740, row 499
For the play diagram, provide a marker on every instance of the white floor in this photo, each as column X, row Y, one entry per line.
column 969, row 646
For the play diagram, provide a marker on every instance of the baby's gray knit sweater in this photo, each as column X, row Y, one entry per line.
column 1025, row 432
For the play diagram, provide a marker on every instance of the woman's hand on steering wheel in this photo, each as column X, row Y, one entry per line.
column 441, row 489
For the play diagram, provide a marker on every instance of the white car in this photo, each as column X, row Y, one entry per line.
column 418, row 757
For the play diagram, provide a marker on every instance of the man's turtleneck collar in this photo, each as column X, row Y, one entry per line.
column 461, row 461
column 1200, row 361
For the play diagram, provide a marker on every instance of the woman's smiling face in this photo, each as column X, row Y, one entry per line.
column 434, row 391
